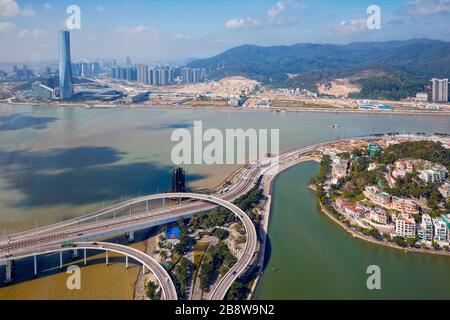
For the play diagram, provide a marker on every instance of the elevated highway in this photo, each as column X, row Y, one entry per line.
column 89, row 227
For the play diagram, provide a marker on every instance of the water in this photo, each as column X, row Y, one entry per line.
column 56, row 163
column 317, row 259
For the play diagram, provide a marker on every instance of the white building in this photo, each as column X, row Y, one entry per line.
column 445, row 190
column 422, row 97
column 433, row 175
column 405, row 226
column 440, row 230
column 426, row 228
column 439, row 90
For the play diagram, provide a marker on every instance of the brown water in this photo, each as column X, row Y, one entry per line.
column 56, row 163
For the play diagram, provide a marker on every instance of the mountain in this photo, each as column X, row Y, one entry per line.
column 420, row 59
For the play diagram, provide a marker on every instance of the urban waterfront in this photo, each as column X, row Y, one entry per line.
column 317, row 259
column 57, row 162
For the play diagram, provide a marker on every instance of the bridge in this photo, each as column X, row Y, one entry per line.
column 80, row 229
column 48, row 239
column 167, row 287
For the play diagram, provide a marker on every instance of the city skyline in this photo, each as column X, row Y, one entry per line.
column 161, row 31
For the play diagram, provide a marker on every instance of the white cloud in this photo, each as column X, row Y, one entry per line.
column 47, row 6
column 240, row 23
column 428, row 7
column 28, row 11
column 180, row 36
column 34, row 33
column 9, row 8
column 352, row 26
column 4, row 26
column 134, row 31
column 100, row 8
column 276, row 10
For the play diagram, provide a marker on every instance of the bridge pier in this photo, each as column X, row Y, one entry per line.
column 75, row 253
column 60, row 260
column 107, row 258
column 130, row 236
column 144, row 269
column 85, row 262
column 9, row 278
column 35, row 265
column 126, row 262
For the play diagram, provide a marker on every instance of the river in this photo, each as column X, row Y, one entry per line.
column 56, row 163
column 317, row 259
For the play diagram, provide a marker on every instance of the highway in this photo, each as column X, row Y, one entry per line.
column 80, row 229
column 167, row 287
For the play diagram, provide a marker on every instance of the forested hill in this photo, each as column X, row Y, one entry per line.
column 418, row 58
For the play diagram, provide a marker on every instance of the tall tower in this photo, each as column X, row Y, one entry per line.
column 65, row 66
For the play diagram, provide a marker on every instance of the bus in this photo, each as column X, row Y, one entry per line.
column 67, row 244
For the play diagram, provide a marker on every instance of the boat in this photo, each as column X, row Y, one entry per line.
column 334, row 125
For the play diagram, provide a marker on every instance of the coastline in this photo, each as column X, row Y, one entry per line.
column 229, row 109
column 357, row 235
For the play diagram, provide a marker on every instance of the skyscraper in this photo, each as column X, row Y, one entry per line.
column 439, row 90
column 178, row 180
column 65, row 66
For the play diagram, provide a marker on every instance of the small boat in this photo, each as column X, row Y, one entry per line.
column 334, row 125
column 275, row 269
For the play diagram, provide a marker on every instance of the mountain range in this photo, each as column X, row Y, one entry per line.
column 417, row 59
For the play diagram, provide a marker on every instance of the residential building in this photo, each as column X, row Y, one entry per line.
column 440, row 230
column 405, row 226
column 374, row 149
column 422, row 97
column 405, row 205
column 445, row 190
column 439, row 90
column 425, row 231
column 65, row 66
column 339, row 169
column 434, row 175
column 379, row 216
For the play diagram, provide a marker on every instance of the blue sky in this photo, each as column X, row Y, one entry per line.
column 159, row 30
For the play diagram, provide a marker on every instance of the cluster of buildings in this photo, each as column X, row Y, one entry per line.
column 86, row 69
column 387, row 201
column 158, row 76
column 428, row 230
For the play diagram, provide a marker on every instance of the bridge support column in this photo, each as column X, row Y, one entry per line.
column 126, row 262
column 35, row 265
column 85, row 262
column 131, row 236
column 107, row 258
column 60, row 260
column 75, row 253
column 9, row 277
column 144, row 269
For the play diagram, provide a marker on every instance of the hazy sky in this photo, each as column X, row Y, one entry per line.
column 155, row 30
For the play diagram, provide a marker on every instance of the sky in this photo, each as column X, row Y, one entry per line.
column 162, row 30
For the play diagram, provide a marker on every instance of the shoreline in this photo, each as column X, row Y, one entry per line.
column 229, row 109
column 360, row 236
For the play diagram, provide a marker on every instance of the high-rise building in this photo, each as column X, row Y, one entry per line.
column 65, row 66
column 426, row 228
column 178, row 180
column 439, row 90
